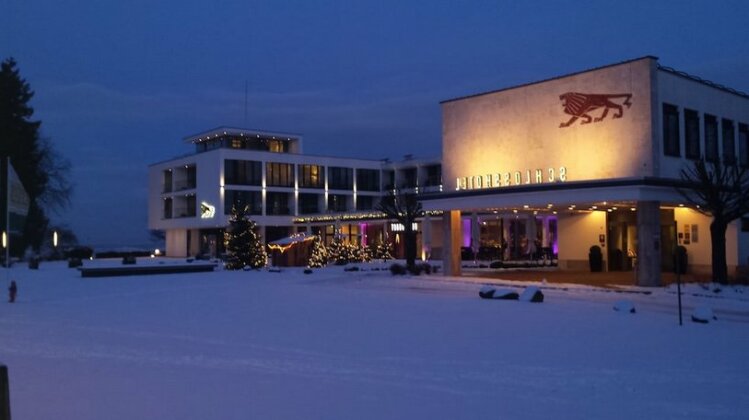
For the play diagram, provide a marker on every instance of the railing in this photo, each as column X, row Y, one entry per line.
column 185, row 212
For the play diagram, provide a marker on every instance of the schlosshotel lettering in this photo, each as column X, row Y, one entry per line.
column 506, row 179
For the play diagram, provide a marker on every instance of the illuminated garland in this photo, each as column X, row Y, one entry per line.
column 354, row 217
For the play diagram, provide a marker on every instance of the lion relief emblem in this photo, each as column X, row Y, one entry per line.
column 580, row 105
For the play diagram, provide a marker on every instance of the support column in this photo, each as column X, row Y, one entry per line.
column 648, row 243
column 451, row 228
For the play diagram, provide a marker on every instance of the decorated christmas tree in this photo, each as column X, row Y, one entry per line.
column 382, row 251
column 338, row 252
column 319, row 255
column 364, row 254
column 244, row 245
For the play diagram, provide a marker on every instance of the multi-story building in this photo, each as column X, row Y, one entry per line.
column 286, row 191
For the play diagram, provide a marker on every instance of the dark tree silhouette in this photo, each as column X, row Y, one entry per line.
column 42, row 171
column 405, row 208
column 719, row 190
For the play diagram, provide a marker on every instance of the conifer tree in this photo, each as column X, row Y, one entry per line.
column 337, row 252
column 244, row 245
column 319, row 256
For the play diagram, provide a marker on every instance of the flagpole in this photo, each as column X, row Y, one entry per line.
column 7, row 219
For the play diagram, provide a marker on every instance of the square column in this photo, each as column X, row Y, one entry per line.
column 648, row 243
column 451, row 228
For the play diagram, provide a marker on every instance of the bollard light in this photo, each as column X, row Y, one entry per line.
column 54, row 239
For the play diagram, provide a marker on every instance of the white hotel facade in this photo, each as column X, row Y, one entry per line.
column 286, row 190
column 543, row 170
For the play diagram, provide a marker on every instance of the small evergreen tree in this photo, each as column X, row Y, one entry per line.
column 337, row 251
column 382, row 251
column 319, row 256
column 244, row 245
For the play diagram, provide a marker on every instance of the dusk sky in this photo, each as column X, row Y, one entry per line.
column 120, row 83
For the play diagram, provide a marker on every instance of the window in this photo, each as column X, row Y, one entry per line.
column 277, row 204
column 711, row 138
column 368, row 179
column 389, row 180
column 744, row 144
column 242, row 172
column 279, row 174
column 692, row 133
column 409, row 178
column 729, row 141
column 311, row 176
column 167, row 208
column 364, row 202
column 340, row 178
column 167, row 185
column 235, row 198
column 745, row 224
column 278, row 146
column 309, row 203
column 434, row 176
column 337, row 202
column 671, row 130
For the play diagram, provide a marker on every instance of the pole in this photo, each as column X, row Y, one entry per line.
column 4, row 393
column 678, row 267
column 7, row 219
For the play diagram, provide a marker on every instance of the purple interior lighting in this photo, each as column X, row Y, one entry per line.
column 466, row 232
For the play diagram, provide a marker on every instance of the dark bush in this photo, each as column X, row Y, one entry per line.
column 352, row 268
column 34, row 263
column 595, row 259
column 74, row 262
column 414, row 269
column 307, row 271
column 128, row 259
column 80, row 252
column 398, row 269
column 426, row 268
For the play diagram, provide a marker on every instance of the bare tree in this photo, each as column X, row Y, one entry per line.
column 719, row 190
column 405, row 208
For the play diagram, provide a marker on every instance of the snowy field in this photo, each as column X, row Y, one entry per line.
column 335, row 345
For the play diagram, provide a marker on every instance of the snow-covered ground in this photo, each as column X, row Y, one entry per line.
column 363, row 345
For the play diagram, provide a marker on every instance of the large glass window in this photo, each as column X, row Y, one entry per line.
column 368, row 179
column 167, row 184
column 744, row 144
column 243, row 172
column 389, row 180
column 434, row 175
column 311, row 176
column 167, row 208
column 409, row 178
column 277, row 204
column 671, row 130
column 309, row 203
column 692, row 133
column 711, row 138
column 235, row 198
column 729, row 141
column 279, row 174
column 337, row 202
column 340, row 178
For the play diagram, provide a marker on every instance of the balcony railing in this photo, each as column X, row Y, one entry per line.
column 184, row 185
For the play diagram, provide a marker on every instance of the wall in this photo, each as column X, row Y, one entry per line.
column 700, row 253
column 577, row 233
column 518, row 129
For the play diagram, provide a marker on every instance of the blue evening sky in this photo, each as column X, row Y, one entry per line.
column 120, row 83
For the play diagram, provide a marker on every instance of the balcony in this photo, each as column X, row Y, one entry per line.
column 187, row 184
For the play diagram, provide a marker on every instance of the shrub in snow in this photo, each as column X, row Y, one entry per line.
column 398, row 269
column 307, row 271
column 351, row 268
column 624, row 306
column 128, row 259
column 34, row 263
column 74, row 262
column 703, row 314
column 274, row 270
column 495, row 264
column 245, row 268
column 532, row 294
column 487, row 292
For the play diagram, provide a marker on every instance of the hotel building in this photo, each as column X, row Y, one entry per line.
column 287, row 191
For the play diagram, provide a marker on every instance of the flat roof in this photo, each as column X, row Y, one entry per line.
column 235, row 131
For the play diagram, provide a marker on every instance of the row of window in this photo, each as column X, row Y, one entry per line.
column 718, row 133
column 249, row 172
column 241, row 142
column 278, row 203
